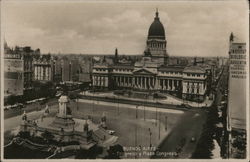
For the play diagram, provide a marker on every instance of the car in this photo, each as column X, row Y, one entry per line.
column 193, row 139
column 111, row 132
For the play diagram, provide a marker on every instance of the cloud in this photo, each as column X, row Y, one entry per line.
column 98, row 27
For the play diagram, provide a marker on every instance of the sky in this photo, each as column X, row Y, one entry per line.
column 192, row 28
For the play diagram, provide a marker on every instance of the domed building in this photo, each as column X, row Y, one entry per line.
column 156, row 41
column 153, row 72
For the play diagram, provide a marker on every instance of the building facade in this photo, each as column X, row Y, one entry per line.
column 152, row 72
column 237, row 100
column 13, row 73
column 43, row 69
column 237, row 84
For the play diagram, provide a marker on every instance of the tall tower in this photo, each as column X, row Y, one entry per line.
column 237, row 91
column 156, row 41
column 116, row 56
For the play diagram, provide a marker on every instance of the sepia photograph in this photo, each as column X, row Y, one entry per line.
column 124, row 79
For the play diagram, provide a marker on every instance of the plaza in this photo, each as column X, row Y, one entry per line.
column 124, row 118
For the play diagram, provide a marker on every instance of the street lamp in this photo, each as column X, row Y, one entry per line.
column 155, row 116
column 150, row 134
column 77, row 102
column 93, row 98
column 136, row 113
column 135, row 140
column 144, row 107
column 118, row 106
column 166, row 124
column 159, row 125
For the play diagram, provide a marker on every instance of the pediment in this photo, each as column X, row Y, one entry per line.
column 143, row 72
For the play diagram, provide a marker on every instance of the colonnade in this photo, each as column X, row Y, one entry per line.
column 147, row 83
column 169, row 84
column 194, row 87
column 101, row 81
column 42, row 72
column 139, row 82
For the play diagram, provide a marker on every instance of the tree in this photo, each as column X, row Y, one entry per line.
column 24, row 134
column 47, row 136
column 115, row 152
column 12, row 99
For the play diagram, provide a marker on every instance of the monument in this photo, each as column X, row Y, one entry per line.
column 64, row 129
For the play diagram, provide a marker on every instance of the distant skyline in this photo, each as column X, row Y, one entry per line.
column 192, row 28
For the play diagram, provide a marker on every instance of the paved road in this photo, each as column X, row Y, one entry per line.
column 28, row 108
column 188, row 128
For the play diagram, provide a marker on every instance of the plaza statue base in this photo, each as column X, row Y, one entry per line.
column 68, row 131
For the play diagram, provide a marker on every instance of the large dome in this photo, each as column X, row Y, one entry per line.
column 156, row 30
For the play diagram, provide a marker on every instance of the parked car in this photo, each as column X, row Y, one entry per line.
column 193, row 139
column 111, row 132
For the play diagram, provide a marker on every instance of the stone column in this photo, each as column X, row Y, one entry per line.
column 136, row 82
column 156, row 83
column 153, row 83
column 140, row 82
column 163, row 84
column 166, row 84
column 133, row 82
column 46, row 73
column 39, row 72
column 169, row 84
column 173, row 87
column 104, row 81
column 100, row 81
column 143, row 82
column 150, row 82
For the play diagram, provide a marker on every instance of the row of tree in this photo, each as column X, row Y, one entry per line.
column 40, row 90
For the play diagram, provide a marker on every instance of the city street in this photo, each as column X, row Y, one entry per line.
column 28, row 108
column 122, row 119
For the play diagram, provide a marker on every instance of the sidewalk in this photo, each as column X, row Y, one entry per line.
column 169, row 99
